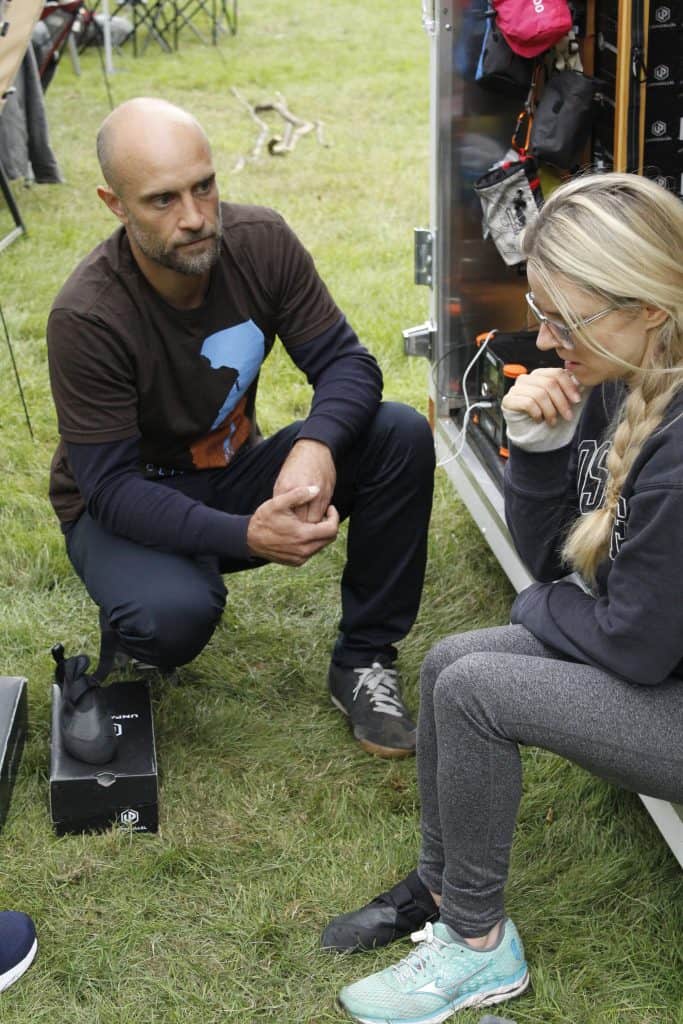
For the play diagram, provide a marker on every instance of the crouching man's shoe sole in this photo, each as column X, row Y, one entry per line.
column 370, row 698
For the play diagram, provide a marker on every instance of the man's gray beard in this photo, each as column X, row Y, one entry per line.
column 187, row 263
column 191, row 264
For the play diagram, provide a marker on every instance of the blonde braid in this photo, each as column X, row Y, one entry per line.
column 588, row 541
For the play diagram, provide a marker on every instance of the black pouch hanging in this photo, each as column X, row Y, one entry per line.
column 499, row 69
column 563, row 118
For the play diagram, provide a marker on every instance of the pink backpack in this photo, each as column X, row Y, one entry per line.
column 532, row 26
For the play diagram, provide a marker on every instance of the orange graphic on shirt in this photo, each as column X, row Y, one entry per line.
column 217, row 448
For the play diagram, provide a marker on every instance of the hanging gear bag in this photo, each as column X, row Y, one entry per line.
column 533, row 26
column 563, row 118
column 510, row 196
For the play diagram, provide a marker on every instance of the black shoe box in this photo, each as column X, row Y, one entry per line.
column 124, row 792
column 13, row 729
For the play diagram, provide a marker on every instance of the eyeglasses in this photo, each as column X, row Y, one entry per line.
column 561, row 332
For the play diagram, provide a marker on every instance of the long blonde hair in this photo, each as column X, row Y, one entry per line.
column 618, row 237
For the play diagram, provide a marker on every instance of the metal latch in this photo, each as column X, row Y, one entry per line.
column 419, row 341
column 424, row 256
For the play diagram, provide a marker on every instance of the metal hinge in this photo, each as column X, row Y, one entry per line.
column 424, row 256
column 429, row 16
column 419, row 341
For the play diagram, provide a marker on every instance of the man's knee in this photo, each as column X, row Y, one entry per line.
column 405, row 431
column 169, row 629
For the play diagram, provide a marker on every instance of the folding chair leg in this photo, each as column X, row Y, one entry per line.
column 20, row 227
column 148, row 21
column 230, row 18
column 73, row 53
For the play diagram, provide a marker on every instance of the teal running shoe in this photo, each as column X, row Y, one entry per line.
column 442, row 975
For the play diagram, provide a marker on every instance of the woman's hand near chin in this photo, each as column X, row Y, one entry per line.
column 544, row 395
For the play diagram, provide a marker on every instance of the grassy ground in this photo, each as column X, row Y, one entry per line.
column 271, row 819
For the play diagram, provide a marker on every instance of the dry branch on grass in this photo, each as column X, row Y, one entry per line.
column 277, row 145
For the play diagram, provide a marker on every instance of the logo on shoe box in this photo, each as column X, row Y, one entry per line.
column 118, row 728
column 129, row 817
column 662, row 15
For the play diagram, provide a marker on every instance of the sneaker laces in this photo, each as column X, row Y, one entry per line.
column 381, row 686
column 428, row 949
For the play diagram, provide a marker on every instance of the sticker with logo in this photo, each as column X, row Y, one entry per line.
column 659, row 131
column 667, row 181
column 662, row 15
column 662, row 75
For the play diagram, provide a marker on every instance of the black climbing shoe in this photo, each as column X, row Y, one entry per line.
column 84, row 720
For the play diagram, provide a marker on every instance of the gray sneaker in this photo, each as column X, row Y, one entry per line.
column 371, row 699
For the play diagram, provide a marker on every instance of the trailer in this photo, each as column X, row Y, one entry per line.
column 632, row 48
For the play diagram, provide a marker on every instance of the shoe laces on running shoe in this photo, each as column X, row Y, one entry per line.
column 381, row 686
column 429, row 948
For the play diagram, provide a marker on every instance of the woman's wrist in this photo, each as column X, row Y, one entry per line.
column 530, row 436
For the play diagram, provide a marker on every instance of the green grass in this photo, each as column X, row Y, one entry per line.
column 271, row 819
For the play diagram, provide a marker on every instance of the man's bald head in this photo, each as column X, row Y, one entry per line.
column 161, row 185
column 137, row 128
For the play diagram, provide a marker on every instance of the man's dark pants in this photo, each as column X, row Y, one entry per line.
column 164, row 606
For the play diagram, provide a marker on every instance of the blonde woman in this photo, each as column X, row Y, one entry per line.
column 592, row 665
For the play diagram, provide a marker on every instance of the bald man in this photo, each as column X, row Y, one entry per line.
column 162, row 482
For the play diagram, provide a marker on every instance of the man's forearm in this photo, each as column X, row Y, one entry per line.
column 347, row 384
column 119, row 498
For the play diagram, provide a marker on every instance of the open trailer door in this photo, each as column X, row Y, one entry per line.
column 631, row 49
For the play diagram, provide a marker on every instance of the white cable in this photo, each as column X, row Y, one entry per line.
column 469, row 408
column 463, row 435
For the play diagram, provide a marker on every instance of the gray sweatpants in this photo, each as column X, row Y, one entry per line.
column 485, row 692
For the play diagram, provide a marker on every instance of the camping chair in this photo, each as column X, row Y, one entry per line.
column 60, row 20
column 16, row 24
column 157, row 16
column 212, row 11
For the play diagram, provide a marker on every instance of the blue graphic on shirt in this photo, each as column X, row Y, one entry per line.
column 240, row 348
